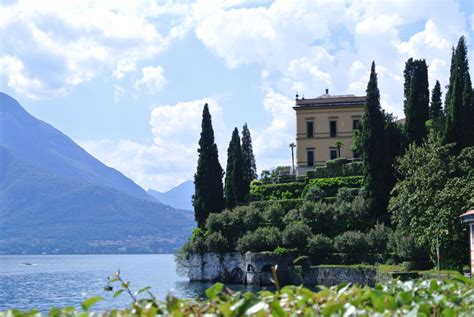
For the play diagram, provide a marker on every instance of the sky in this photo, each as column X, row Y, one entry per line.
column 127, row 80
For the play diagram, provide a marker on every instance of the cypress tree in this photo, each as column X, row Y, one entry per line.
column 372, row 139
column 234, row 178
column 436, row 107
column 249, row 165
column 208, row 190
column 408, row 75
column 459, row 126
column 417, row 104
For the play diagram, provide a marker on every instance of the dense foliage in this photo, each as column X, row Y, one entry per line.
column 417, row 100
column 330, row 186
column 209, row 193
column 336, row 168
column 260, row 191
column 372, row 144
column 453, row 297
column 459, row 102
column 248, row 158
column 435, row 187
column 234, row 191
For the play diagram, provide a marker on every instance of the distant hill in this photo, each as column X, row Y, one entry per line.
column 91, row 208
column 35, row 141
column 179, row 197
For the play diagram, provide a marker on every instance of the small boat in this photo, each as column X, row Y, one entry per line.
column 26, row 264
column 108, row 288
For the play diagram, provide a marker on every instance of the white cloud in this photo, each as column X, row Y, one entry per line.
column 153, row 78
column 171, row 158
column 62, row 44
column 271, row 143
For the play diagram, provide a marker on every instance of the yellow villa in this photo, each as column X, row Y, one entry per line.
column 324, row 127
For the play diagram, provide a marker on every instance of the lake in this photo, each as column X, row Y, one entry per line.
column 66, row 280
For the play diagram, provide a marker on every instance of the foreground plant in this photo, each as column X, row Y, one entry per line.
column 454, row 297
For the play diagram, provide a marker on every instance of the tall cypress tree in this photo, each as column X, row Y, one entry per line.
column 436, row 106
column 417, row 104
column 408, row 75
column 459, row 108
column 208, row 190
column 372, row 139
column 249, row 165
column 234, row 178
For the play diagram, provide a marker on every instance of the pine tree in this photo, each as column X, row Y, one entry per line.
column 249, row 165
column 209, row 194
column 436, row 107
column 459, row 126
column 234, row 178
column 372, row 139
column 417, row 104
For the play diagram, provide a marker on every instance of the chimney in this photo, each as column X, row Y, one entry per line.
column 327, row 91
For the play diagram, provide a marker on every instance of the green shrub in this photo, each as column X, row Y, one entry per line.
column 320, row 217
column 353, row 169
column 353, row 244
column 216, row 242
column 334, row 167
column 378, row 238
column 320, row 247
column 197, row 243
column 273, row 215
column 262, row 239
column 314, row 193
column 330, row 186
column 404, row 246
column 292, row 216
column 252, row 218
column 296, row 235
column 286, row 204
column 291, row 190
column 281, row 251
column 228, row 223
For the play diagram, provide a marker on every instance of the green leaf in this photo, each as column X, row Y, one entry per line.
column 143, row 290
column 214, row 290
column 117, row 293
column 90, row 302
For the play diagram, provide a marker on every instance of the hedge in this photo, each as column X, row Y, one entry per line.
column 291, row 190
column 286, row 204
column 337, row 168
column 330, row 186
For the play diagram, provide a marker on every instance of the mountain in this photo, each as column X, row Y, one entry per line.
column 179, row 197
column 46, row 208
column 35, row 141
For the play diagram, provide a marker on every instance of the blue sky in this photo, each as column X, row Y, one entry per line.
column 127, row 79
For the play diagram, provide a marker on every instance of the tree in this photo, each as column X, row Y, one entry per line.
column 417, row 104
column 338, row 145
column 459, row 126
column 373, row 150
column 208, row 190
column 234, row 178
column 248, row 160
column 292, row 146
column 434, row 188
column 436, row 106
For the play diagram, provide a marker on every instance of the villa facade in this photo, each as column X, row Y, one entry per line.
column 323, row 123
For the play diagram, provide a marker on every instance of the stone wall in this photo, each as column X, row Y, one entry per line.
column 255, row 268
column 333, row 275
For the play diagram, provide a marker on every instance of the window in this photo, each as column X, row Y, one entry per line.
column 333, row 154
column 310, row 157
column 310, row 129
column 355, row 124
column 332, row 129
column 356, row 155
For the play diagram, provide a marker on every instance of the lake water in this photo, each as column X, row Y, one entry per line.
column 66, row 280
